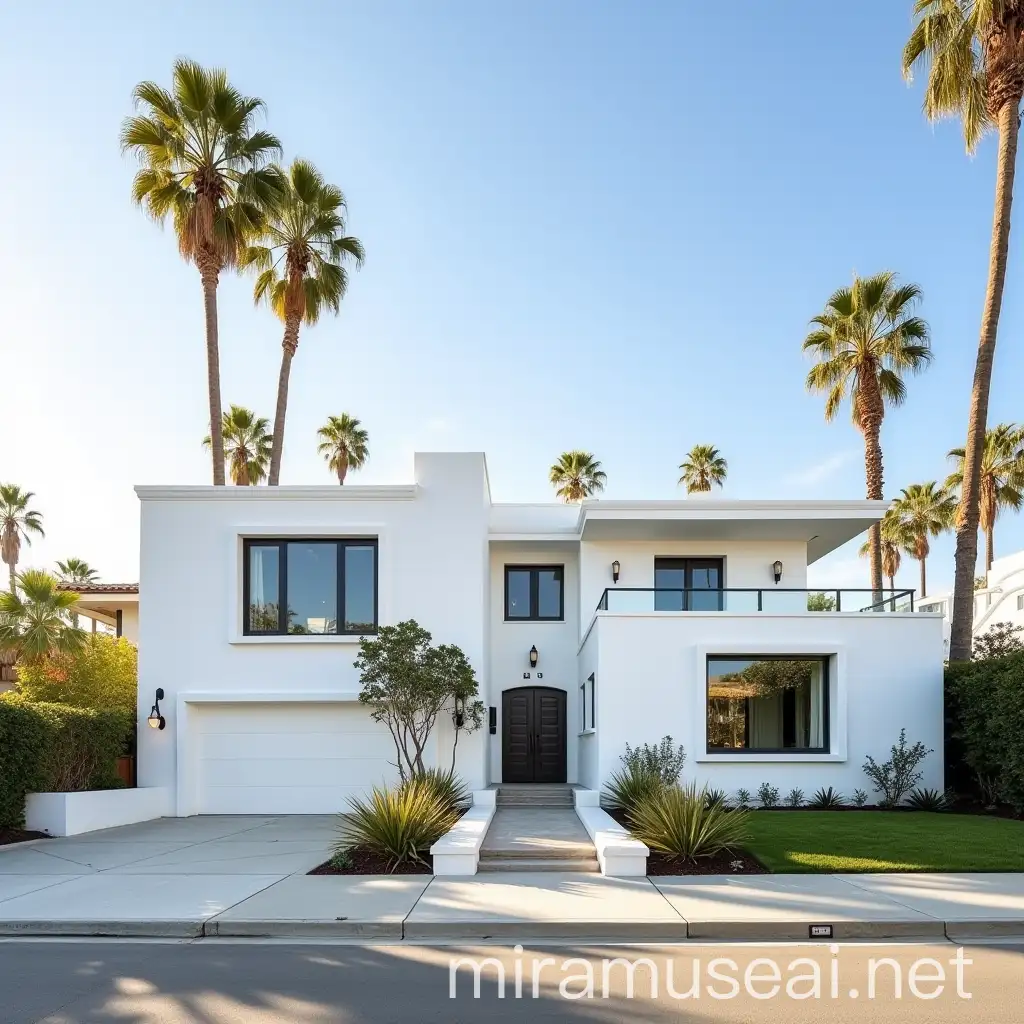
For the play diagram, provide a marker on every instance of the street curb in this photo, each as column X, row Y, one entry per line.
column 513, row 928
column 303, row 929
column 799, row 931
column 105, row 929
column 961, row 931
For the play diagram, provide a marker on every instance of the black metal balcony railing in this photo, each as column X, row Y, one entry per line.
column 751, row 599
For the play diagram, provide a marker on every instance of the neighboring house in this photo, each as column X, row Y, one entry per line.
column 113, row 605
column 589, row 626
column 1001, row 600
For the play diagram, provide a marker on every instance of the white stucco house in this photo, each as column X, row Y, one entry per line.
column 589, row 626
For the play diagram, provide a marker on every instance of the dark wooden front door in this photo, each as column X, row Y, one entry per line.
column 533, row 746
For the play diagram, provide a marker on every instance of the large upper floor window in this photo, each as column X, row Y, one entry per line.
column 768, row 704
column 679, row 583
column 534, row 593
column 310, row 587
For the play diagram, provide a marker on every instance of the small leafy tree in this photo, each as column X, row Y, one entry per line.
column 998, row 640
column 899, row 775
column 768, row 795
column 821, row 602
column 407, row 684
column 664, row 759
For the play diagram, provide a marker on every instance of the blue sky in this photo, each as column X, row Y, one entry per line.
column 595, row 225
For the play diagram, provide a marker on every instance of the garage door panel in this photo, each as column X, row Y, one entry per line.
column 281, row 758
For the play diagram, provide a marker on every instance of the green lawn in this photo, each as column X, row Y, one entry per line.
column 838, row 841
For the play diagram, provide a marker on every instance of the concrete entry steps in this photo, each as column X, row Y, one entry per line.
column 534, row 795
column 542, row 838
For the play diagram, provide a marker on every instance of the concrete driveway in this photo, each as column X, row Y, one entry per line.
column 178, row 871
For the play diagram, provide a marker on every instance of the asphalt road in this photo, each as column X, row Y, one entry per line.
column 257, row 983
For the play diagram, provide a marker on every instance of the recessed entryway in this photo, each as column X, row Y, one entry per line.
column 533, row 736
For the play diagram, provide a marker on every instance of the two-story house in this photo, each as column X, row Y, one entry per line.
column 589, row 626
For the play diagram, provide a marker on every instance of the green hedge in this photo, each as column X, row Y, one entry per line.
column 54, row 748
column 985, row 725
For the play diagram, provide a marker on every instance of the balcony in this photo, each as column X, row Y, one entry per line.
column 745, row 600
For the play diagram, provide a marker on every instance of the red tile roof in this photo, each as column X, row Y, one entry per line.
column 101, row 588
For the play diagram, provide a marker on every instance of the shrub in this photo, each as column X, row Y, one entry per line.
column 54, row 748
column 400, row 824
column 860, row 798
column 795, row 798
column 927, row 800
column 628, row 786
column 827, row 799
column 102, row 674
column 743, row 797
column 665, row 760
column 449, row 789
column 341, row 860
column 679, row 822
column 768, row 795
column 1000, row 639
column 899, row 775
column 716, row 798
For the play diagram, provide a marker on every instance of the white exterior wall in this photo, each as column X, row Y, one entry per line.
column 556, row 642
column 432, row 566
column 588, row 770
column 885, row 673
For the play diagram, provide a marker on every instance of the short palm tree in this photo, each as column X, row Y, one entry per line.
column 302, row 270
column 577, row 475
column 247, row 445
column 891, row 542
column 865, row 341
column 973, row 52
column 76, row 571
column 922, row 511
column 343, row 443
column 1002, row 478
column 703, row 467
column 17, row 523
column 207, row 166
column 36, row 622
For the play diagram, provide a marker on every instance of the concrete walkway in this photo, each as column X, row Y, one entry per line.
column 235, row 876
column 537, row 838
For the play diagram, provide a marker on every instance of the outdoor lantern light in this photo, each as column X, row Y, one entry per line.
column 533, row 656
column 460, row 712
column 777, row 570
column 615, row 571
column 156, row 720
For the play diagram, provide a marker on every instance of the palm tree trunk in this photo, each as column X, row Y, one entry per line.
column 10, row 566
column 924, row 578
column 871, row 425
column 342, row 468
column 967, row 525
column 989, row 549
column 209, row 274
column 288, row 346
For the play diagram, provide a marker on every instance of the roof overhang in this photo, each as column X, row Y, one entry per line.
column 822, row 525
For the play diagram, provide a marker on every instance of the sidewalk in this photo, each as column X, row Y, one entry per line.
column 540, row 906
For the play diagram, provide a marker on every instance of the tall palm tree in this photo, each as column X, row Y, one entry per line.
column 702, row 467
column 343, row 443
column 923, row 511
column 205, row 165
column 577, row 475
column 973, row 51
column 17, row 522
column 36, row 622
column 247, row 445
column 76, row 571
column 302, row 264
column 1001, row 484
column 891, row 539
column 865, row 340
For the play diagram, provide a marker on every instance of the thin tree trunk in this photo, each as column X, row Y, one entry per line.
column 10, row 566
column 924, row 579
column 989, row 549
column 288, row 346
column 967, row 526
column 209, row 275
column 342, row 468
column 871, row 425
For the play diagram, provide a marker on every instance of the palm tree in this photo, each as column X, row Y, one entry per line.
column 205, row 165
column 76, row 571
column 246, row 443
column 922, row 511
column 577, row 475
column 302, row 264
column 1001, row 481
column 703, row 467
column 865, row 340
column 974, row 56
column 36, row 622
column 343, row 443
column 17, row 521
column 889, row 528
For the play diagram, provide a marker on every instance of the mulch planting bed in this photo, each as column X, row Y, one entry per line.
column 366, row 862
column 19, row 835
column 739, row 863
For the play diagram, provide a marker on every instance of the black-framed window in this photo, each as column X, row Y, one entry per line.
column 309, row 586
column 768, row 703
column 534, row 593
column 588, row 718
column 687, row 577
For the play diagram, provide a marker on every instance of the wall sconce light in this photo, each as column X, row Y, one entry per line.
column 615, row 571
column 533, row 656
column 460, row 712
column 777, row 570
column 156, row 720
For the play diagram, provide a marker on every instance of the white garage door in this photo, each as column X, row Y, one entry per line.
column 288, row 758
